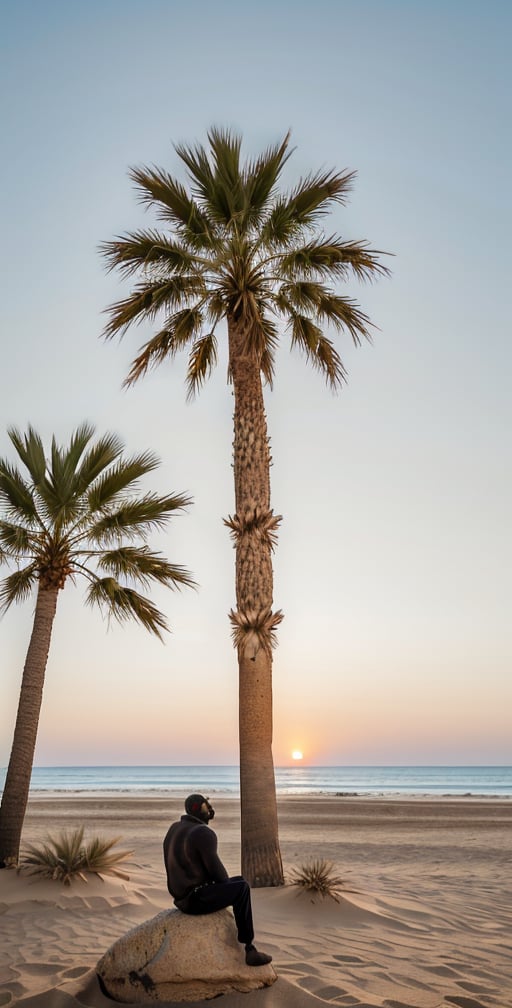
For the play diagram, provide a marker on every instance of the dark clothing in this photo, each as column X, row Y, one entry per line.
column 198, row 880
column 190, row 854
column 216, row 896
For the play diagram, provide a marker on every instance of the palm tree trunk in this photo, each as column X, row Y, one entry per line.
column 261, row 857
column 17, row 782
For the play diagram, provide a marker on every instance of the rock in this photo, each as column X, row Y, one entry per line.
column 178, row 957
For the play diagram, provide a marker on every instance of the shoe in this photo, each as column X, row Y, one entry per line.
column 255, row 958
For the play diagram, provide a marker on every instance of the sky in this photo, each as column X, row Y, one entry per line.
column 394, row 560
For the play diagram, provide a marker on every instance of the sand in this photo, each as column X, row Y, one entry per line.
column 424, row 920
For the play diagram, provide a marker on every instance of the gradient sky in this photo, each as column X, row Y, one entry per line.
column 394, row 561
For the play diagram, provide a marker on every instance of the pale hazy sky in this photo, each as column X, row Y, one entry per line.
column 394, row 562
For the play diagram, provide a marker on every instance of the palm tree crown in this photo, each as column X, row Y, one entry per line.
column 241, row 251
column 78, row 513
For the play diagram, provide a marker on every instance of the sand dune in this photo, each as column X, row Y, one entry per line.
column 424, row 919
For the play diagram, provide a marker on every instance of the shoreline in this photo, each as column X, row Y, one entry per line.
column 282, row 795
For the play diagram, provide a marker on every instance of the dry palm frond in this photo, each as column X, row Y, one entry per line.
column 258, row 521
column 253, row 630
column 66, row 857
column 317, row 878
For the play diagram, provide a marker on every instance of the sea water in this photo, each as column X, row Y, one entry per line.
column 364, row 781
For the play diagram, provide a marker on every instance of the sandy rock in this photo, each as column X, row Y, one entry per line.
column 176, row 957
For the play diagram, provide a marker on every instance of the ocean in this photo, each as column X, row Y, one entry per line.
column 364, row 781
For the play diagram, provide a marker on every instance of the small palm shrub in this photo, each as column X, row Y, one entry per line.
column 317, row 878
column 66, row 857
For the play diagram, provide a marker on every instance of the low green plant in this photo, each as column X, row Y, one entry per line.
column 317, row 877
column 66, row 857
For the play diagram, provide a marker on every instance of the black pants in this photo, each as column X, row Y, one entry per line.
column 219, row 895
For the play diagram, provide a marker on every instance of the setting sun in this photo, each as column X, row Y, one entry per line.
column 296, row 754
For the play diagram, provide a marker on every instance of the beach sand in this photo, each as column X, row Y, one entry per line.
column 424, row 919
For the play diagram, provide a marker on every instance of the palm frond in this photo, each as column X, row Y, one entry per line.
column 319, row 351
column 308, row 296
column 15, row 539
column 230, row 195
column 305, row 332
column 225, row 147
column 305, row 206
column 69, row 473
column 179, row 330
column 202, row 360
column 147, row 300
column 125, row 474
column 358, row 259
column 187, row 324
column 279, row 230
column 72, row 472
column 137, row 517
column 141, row 249
column 17, row 587
column 313, row 195
column 172, row 202
column 302, row 295
column 61, row 486
column 332, row 257
column 56, row 460
column 200, row 170
column 216, row 307
column 152, row 353
column 327, row 360
column 16, row 495
column 260, row 178
column 124, row 604
column 216, row 176
column 344, row 313
column 271, row 339
column 100, row 456
column 58, row 488
column 142, row 565
column 31, row 451
column 56, row 492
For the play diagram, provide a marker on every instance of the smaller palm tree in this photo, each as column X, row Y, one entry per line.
column 79, row 512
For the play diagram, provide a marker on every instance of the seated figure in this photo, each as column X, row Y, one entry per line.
column 198, row 881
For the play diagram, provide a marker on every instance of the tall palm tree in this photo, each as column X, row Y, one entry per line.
column 79, row 512
column 235, row 250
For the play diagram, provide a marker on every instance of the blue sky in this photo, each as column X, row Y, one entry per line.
column 393, row 566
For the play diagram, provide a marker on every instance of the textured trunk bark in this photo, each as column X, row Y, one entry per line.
column 17, row 782
column 260, row 856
